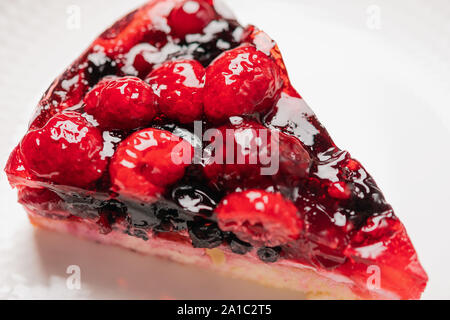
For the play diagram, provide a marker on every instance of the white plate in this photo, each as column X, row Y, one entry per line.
column 375, row 72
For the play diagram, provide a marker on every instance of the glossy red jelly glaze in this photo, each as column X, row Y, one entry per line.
column 123, row 103
column 244, row 80
column 333, row 215
column 67, row 151
column 259, row 217
column 190, row 17
column 178, row 86
column 243, row 154
column 148, row 161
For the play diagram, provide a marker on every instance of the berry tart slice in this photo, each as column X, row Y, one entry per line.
column 178, row 133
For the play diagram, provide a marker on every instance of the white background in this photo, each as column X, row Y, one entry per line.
column 377, row 74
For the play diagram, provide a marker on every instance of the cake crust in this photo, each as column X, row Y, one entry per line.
column 281, row 274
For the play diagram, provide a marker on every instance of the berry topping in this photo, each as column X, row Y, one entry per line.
column 193, row 198
column 65, row 151
column 15, row 170
column 39, row 198
column 179, row 87
column 241, row 81
column 205, row 234
column 110, row 212
column 239, row 247
column 268, row 254
column 294, row 159
column 190, row 17
column 122, row 103
column 246, row 152
column 235, row 155
column 259, row 217
column 268, row 183
column 140, row 60
column 141, row 66
column 148, row 161
column 99, row 68
column 339, row 190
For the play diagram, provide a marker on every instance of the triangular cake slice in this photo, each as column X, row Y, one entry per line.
column 178, row 133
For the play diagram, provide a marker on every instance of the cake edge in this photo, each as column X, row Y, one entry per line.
column 281, row 275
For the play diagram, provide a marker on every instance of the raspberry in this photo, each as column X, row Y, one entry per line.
column 294, row 160
column 236, row 156
column 148, row 161
column 122, row 103
column 241, row 81
column 190, row 17
column 259, row 217
column 254, row 155
column 179, row 87
column 65, row 151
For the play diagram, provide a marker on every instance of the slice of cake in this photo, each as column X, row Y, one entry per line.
column 178, row 133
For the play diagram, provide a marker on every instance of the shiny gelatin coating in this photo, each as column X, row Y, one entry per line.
column 249, row 153
column 121, row 103
column 259, row 217
column 147, row 161
column 67, row 151
column 112, row 149
column 178, row 86
column 244, row 80
column 190, row 17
